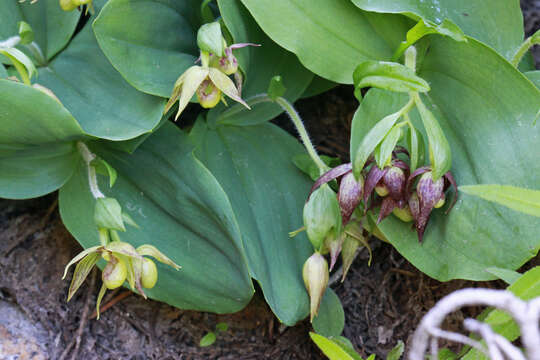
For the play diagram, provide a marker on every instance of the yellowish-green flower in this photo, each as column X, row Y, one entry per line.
column 189, row 82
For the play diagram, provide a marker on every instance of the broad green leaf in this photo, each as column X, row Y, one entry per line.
column 523, row 200
column 389, row 76
column 317, row 86
column 440, row 154
column 52, row 27
column 181, row 210
column 116, row 111
column 498, row 23
column 534, row 76
column 330, row 37
column 332, row 349
column 150, row 54
column 487, row 118
column 330, row 320
column 37, row 149
column 267, row 192
column 258, row 65
column 3, row 72
column 527, row 287
column 508, row 276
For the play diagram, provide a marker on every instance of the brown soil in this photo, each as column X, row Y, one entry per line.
column 383, row 303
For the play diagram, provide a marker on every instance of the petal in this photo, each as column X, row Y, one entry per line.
column 241, row 45
column 395, row 181
column 373, row 177
column 452, row 181
column 225, row 84
column 123, row 248
column 349, row 196
column 416, row 172
column 150, row 250
column 82, row 270
column 388, row 204
column 81, row 255
column 329, row 176
column 195, row 75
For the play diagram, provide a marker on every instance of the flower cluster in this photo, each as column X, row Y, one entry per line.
column 333, row 222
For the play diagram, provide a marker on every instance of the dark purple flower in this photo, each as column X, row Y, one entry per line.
column 429, row 195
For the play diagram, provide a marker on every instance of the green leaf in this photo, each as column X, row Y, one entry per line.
column 37, row 149
column 330, row 320
column 534, row 76
column 103, row 168
column 25, row 32
column 276, row 88
column 182, row 210
column 508, row 276
column 440, row 154
column 330, row 37
column 108, row 214
column 389, row 76
column 332, row 349
column 3, row 72
column 267, row 193
column 116, row 111
column 470, row 103
column 305, row 163
column 498, row 23
column 360, row 150
column 208, row 339
column 258, row 65
column 383, row 152
column 52, row 27
column 209, row 38
column 317, row 86
column 222, row 327
column 527, row 287
column 19, row 58
column 149, row 54
column 423, row 28
column 415, row 144
column 523, row 200
column 396, row 352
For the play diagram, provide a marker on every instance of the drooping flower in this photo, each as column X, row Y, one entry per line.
column 315, row 275
column 429, row 194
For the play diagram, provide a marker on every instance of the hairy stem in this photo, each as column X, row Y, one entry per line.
column 297, row 121
column 522, row 50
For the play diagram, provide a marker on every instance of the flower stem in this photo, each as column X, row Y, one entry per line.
column 297, row 121
column 88, row 156
column 525, row 46
column 10, row 42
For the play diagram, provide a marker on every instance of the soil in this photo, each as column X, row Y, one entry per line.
column 383, row 302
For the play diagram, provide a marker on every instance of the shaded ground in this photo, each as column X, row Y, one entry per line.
column 383, row 303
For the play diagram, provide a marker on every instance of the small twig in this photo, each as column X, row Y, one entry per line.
column 84, row 318
column 111, row 303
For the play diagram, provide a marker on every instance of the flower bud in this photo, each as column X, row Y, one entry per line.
column 404, row 214
column 108, row 214
column 395, row 181
column 429, row 191
column 315, row 274
column 114, row 274
column 321, row 214
column 208, row 94
column 350, row 195
column 149, row 274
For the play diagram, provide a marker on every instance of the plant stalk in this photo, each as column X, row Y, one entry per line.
column 88, row 156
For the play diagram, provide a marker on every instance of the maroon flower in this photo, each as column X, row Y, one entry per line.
column 429, row 195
